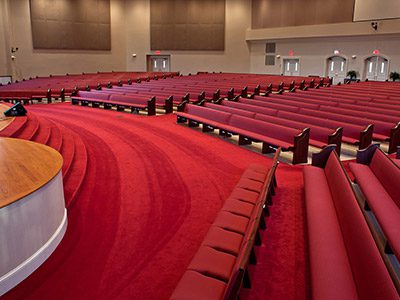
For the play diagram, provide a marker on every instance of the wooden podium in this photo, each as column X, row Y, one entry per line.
column 33, row 218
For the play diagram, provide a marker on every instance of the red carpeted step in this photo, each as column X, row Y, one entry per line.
column 43, row 134
column 14, row 127
column 67, row 149
column 30, row 129
column 55, row 140
column 76, row 174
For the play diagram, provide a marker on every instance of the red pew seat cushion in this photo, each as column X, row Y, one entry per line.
column 223, row 240
column 238, row 207
column 245, row 195
column 331, row 274
column 194, row 285
column 213, row 263
column 388, row 174
column 381, row 204
column 231, row 222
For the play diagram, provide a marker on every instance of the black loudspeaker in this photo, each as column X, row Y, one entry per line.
column 16, row 110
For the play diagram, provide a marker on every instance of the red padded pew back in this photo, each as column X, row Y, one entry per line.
column 370, row 274
column 387, row 173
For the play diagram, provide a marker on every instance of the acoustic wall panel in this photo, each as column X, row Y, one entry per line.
column 187, row 24
column 71, row 24
column 284, row 13
column 370, row 10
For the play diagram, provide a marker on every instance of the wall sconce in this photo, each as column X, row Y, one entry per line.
column 354, row 56
column 278, row 56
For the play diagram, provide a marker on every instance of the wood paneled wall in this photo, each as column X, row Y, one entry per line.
column 71, row 24
column 283, row 13
column 187, row 24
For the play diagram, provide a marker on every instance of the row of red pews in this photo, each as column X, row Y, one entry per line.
column 195, row 88
column 362, row 104
column 249, row 129
column 345, row 260
column 219, row 268
column 60, row 86
column 378, row 177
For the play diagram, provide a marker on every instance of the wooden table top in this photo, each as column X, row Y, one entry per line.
column 4, row 121
column 24, row 168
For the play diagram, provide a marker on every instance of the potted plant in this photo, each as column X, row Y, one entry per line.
column 394, row 76
column 352, row 74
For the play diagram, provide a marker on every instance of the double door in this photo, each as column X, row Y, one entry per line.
column 376, row 68
column 291, row 67
column 337, row 67
column 158, row 63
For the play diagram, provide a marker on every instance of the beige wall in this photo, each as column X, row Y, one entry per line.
column 313, row 53
column 5, row 67
column 235, row 58
column 131, row 35
column 30, row 62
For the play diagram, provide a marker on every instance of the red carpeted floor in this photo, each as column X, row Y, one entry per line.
column 149, row 192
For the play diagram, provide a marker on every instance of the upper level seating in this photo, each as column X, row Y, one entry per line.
column 345, row 261
column 219, row 268
column 249, row 130
column 379, row 178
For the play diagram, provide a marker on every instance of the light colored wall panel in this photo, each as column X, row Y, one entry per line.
column 5, row 61
column 235, row 57
column 284, row 13
column 376, row 9
column 313, row 53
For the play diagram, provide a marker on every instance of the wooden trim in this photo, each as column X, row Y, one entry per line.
column 300, row 149
column 394, row 141
column 336, row 139
column 366, row 137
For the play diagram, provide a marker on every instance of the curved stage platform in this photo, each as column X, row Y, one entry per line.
column 33, row 218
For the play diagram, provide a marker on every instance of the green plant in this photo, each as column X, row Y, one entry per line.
column 394, row 76
column 352, row 74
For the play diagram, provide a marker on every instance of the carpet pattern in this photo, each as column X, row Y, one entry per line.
column 150, row 190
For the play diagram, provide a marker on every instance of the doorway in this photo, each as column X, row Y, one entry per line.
column 291, row 67
column 376, row 68
column 158, row 63
column 336, row 68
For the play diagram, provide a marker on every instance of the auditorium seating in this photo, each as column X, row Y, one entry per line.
column 249, row 130
column 319, row 136
column 345, row 262
column 121, row 102
column 60, row 86
column 352, row 110
column 219, row 268
column 378, row 178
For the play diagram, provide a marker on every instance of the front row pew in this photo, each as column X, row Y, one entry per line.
column 134, row 103
column 219, row 268
column 249, row 130
column 378, row 179
column 345, row 262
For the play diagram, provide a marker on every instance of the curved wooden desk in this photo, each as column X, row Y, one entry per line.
column 33, row 218
column 4, row 121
